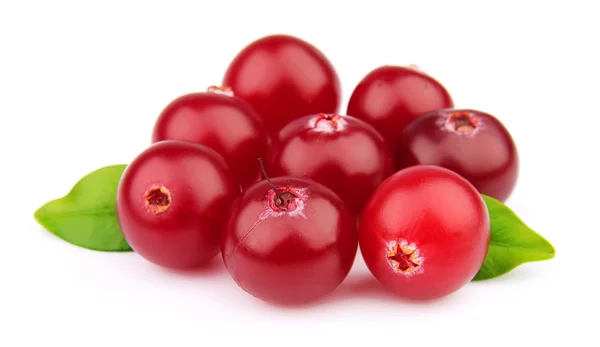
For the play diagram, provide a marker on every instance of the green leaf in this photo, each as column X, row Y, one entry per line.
column 512, row 242
column 86, row 216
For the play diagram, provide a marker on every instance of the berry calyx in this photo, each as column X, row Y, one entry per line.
column 282, row 199
column 220, row 90
column 462, row 122
column 328, row 121
column 158, row 199
column 286, row 201
column 415, row 67
column 404, row 257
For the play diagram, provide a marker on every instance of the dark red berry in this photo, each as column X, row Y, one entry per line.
column 425, row 232
column 172, row 203
column 284, row 78
column 343, row 153
column 221, row 121
column 471, row 143
column 290, row 245
column 390, row 97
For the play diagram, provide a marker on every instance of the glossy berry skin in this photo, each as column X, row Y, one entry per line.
column 172, row 203
column 341, row 152
column 291, row 252
column 390, row 97
column 284, row 78
column 472, row 143
column 221, row 121
column 425, row 232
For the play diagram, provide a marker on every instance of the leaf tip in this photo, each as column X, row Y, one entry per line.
column 38, row 215
column 551, row 250
column 548, row 251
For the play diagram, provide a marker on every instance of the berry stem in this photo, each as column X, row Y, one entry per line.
column 262, row 167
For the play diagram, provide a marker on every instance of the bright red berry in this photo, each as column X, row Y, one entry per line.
column 221, row 121
column 343, row 153
column 291, row 244
column 471, row 143
column 172, row 203
column 284, row 78
column 390, row 97
column 425, row 232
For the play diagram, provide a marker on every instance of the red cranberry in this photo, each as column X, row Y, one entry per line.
column 343, row 153
column 424, row 232
column 290, row 243
column 390, row 97
column 284, row 78
column 172, row 203
column 471, row 143
column 220, row 121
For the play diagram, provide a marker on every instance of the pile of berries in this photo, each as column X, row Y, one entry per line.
column 264, row 171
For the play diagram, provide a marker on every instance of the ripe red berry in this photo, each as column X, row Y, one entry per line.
column 471, row 143
column 292, row 245
column 284, row 78
column 390, row 97
column 172, row 203
column 343, row 153
column 425, row 232
column 221, row 121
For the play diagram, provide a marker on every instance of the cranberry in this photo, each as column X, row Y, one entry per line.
column 474, row 144
column 424, row 232
column 172, row 203
column 284, row 78
column 343, row 153
column 220, row 121
column 390, row 97
column 289, row 242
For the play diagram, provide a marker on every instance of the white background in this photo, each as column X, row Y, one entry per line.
column 82, row 82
